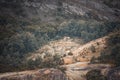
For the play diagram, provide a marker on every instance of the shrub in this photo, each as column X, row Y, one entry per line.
column 70, row 53
column 92, row 60
column 113, row 42
column 95, row 75
column 115, row 54
column 92, row 48
column 32, row 64
column 51, row 61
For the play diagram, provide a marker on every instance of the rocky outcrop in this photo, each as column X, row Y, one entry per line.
column 42, row 74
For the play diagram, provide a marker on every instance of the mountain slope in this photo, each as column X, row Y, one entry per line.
column 49, row 10
column 70, row 35
column 75, row 70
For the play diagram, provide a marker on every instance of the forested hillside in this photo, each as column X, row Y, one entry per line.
column 26, row 26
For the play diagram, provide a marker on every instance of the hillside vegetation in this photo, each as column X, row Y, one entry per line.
column 77, row 38
column 31, row 38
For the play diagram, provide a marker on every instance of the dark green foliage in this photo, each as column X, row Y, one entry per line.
column 21, row 43
column 112, row 3
column 33, row 64
column 114, row 38
column 114, row 44
column 115, row 54
column 113, row 47
column 70, row 53
column 95, row 75
column 103, row 57
column 48, row 62
column 89, row 30
column 25, row 38
column 59, row 8
column 51, row 61
column 20, row 36
column 92, row 48
column 92, row 60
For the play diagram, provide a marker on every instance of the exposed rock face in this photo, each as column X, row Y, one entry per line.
column 47, row 10
column 43, row 74
column 52, row 74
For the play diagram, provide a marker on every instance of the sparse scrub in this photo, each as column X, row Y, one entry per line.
column 47, row 62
